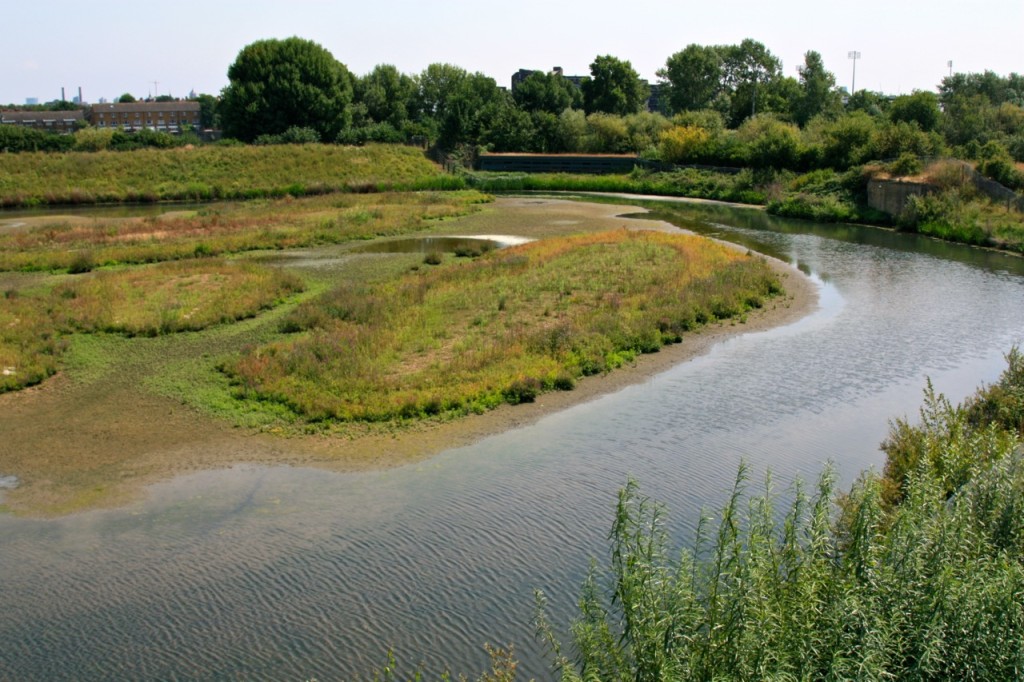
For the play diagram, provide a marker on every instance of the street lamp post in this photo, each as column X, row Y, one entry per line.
column 854, row 55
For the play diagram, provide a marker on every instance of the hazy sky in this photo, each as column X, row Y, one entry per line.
column 111, row 48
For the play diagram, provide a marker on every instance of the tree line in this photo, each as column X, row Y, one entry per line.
column 715, row 104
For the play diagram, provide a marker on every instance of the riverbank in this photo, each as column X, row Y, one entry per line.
column 77, row 444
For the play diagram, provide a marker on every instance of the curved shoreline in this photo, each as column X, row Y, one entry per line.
column 130, row 438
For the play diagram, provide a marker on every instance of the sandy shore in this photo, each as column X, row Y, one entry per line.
column 76, row 445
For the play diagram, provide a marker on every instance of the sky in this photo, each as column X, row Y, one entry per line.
column 174, row 48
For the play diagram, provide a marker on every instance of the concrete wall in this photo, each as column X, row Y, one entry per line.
column 891, row 196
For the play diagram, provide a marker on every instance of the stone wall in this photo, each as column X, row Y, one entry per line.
column 891, row 196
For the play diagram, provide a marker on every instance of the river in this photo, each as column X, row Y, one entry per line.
column 288, row 574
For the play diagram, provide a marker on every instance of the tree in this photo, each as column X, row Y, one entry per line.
column 126, row 98
column 208, row 116
column 613, row 88
column 817, row 91
column 693, row 78
column 387, row 95
column 753, row 75
column 921, row 108
column 280, row 84
column 550, row 92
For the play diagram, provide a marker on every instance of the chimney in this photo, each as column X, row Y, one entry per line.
column 80, row 100
column 62, row 99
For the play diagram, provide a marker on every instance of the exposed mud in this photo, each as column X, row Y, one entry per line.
column 75, row 443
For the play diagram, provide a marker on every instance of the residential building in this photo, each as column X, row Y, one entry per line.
column 52, row 121
column 168, row 117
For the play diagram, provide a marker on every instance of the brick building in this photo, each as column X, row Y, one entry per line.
column 51, row 121
column 168, row 117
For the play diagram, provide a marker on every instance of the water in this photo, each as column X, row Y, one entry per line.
column 290, row 573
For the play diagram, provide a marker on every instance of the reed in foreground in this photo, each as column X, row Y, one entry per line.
column 834, row 587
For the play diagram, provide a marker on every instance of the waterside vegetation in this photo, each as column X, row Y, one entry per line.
column 471, row 335
column 924, row 584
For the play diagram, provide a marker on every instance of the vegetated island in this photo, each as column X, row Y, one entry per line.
column 268, row 323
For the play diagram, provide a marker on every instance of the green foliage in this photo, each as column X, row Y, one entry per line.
column 831, row 587
column 614, row 87
column 548, row 92
column 14, row 138
column 770, row 143
column 818, row 95
column 293, row 135
column 279, row 84
column 907, row 164
column 921, row 107
column 693, row 78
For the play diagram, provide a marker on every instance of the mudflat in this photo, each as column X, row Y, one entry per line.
column 80, row 442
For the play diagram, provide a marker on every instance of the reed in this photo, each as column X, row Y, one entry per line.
column 831, row 586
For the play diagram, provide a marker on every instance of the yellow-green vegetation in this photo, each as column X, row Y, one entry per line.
column 172, row 297
column 30, row 346
column 82, row 244
column 146, row 301
column 468, row 336
column 208, row 173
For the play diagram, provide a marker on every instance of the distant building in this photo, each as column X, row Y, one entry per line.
column 32, row 100
column 168, row 117
column 52, row 121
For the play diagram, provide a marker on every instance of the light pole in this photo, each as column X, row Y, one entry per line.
column 950, row 65
column 854, row 55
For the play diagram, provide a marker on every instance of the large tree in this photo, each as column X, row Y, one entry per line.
column 614, row 88
column 386, row 94
column 753, row 75
column 280, row 84
column 693, row 78
column 550, row 92
column 817, row 91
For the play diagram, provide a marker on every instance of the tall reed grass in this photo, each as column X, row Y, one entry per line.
column 830, row 586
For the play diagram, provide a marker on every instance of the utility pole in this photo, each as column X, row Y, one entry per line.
column 854, row 55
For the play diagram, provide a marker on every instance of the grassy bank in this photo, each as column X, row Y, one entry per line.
column 81, row 244
column 470, row 335
column 211, row 173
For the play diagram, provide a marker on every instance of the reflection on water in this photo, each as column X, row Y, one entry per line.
column 283, row 573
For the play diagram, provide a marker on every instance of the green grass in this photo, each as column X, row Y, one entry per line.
column 211, row 173
column 172, row 297
column 740, row 187
column 30, row 344
column 80, row 244
column 469, row 336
